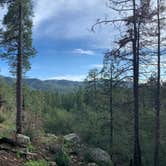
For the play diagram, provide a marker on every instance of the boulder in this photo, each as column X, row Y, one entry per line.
column 100, row 156
column 22, row 139
column 51, row 136
column 72, row 138
column 52, row 163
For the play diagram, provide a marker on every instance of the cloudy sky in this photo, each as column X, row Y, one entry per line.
column 66, row 48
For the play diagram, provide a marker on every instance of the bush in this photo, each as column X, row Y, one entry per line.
column 88, row 158
column 32, row 124
column 36, row 163
column 62, row 159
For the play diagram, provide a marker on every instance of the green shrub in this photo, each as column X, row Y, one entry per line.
column 62, row 159
column 88, row 158
column 59, row 118
column 30, row 147
column 2, row 119
column 36, row 163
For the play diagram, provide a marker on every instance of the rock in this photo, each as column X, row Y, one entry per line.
column 22, row 139
column 100, row 156
column 51, row 136
column 72, row 137
column 52, row 163
column 92, row 164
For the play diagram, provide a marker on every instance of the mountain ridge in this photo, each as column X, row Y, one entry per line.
column 47, row 85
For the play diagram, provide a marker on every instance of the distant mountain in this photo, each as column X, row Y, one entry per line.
column 63, row 86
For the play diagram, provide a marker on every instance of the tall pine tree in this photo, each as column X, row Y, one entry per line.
column 17, row 45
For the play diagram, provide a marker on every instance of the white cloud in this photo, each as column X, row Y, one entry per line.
column 72, row 19
column 46, row 9
column 98, row 66
column 83, row 52
column 69, row 77
column 3, row 11
column 92, row 66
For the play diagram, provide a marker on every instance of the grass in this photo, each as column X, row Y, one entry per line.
column 36, row 163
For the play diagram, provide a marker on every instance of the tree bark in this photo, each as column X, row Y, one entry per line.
column 137, row 150
column 157, row 120
column 19, row 73
column 111, row 112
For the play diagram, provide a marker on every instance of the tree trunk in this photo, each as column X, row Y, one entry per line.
column 19, row 74
column 137, row 150
column 111, row 113
column 157, row 121
column 95, row 93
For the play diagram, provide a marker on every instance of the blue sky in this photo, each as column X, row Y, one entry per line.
column 66, row 48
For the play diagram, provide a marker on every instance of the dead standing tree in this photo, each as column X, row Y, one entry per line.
column 160, row 24
column 113, row 74
column 154, row 38
column 134, row 13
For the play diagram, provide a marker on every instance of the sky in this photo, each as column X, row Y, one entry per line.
column 66, row 46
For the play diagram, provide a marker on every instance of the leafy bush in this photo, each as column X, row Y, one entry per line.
column 88, row 158
column 62, row 159
column 30, row 147
column 36, row 163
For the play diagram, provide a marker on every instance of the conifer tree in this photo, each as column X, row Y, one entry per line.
column 92, row 81
column 17, row 45
column 113, row 73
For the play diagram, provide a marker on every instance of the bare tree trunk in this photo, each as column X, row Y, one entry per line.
column 157, row 123
column 111, row 112
column 19, row 73
column 137, row 150
column 95, row 93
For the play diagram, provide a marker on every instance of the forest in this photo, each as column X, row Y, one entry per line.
column 115, row 117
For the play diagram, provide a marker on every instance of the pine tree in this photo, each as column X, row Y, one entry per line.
column 17, row 45
column 92, row 85
column 133, row 14
column 114, row 72
column 158, row 107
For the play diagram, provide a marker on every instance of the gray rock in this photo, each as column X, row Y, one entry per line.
column 22, row 139
column 72, row 137
column 52, row 163
column 51, row 136
column 92, row 164
column 100, row 156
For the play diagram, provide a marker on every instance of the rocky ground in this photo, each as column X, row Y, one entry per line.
column 51, row 149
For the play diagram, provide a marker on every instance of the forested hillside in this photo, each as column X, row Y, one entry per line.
column 63, row 86
column 60, row 114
